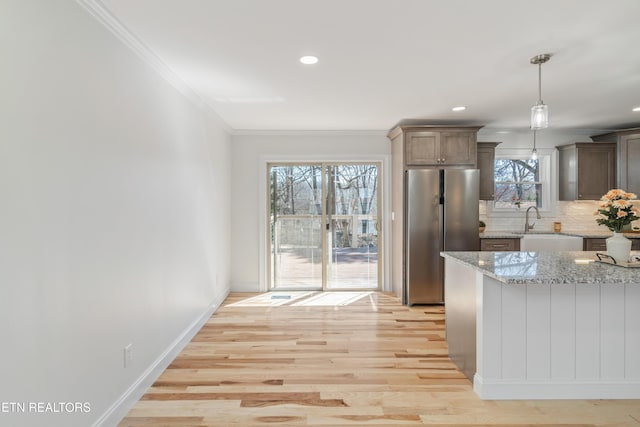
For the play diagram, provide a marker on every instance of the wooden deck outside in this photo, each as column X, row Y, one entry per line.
column 349, row 268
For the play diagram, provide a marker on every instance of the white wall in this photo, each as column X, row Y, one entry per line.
column 114, row 213
column 250, row 154
column 546, row 138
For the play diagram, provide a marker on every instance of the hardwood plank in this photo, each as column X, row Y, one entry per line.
column 371, row 364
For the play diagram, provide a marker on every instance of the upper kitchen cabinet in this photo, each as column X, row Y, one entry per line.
column 486, row 162
column 422, row 146
column 437, row 146
column 587, row 170
column 628, row 144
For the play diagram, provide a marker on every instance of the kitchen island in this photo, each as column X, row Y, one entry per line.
column 543, row 325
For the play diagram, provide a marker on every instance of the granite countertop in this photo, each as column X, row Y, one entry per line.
column 545, row 267
column 585, row 234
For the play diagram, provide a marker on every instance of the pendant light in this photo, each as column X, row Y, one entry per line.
column 534, row 152
column 540, row 111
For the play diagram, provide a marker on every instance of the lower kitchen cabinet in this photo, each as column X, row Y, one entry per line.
column 500, row 245
column 594, row 244
column 600, row 245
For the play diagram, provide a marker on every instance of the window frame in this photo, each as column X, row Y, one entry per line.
column 547, row 159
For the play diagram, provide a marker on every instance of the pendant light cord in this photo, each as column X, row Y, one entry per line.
column 540, row 83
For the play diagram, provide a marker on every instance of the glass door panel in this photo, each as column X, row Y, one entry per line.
column 295, row 216
column 323, row 226
column 352, row 226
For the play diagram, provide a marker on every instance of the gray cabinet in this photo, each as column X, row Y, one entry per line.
column 591, row 244
column 628, row 156
column 500, row 245
column 600, row 244
column 486, row 163
column 587, row 170
column 440, row 147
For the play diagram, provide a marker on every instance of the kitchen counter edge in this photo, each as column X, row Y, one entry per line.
column 575, row 267
column 583, row 234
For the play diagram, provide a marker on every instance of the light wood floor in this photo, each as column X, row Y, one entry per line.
column 373, row 362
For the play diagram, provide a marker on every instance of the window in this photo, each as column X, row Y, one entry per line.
column 517, row 183
column 520, row 181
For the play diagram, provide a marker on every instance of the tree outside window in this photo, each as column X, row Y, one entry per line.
column 296, row 199
column 518, row 183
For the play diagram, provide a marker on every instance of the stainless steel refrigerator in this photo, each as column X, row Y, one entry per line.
column 441, row 215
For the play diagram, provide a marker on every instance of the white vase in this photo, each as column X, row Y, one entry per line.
column 619, row 247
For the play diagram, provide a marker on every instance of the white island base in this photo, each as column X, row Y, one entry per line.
column 540, row 331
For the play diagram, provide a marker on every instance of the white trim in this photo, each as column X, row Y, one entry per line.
column 531, row 390
column 246, row 287
column 548, row 165
column 102, row 14
column 282, row 132
column 119, row 409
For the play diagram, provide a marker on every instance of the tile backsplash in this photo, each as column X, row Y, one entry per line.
column 576, row 216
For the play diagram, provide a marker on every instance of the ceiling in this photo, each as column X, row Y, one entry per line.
column 383, row 61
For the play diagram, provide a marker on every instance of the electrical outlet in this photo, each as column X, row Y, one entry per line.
column 128, row 355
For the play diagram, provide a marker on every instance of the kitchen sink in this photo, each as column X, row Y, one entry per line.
column 531, row 242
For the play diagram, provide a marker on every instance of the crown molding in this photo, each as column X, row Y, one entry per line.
column 102, row 14
column 276, row 132
column 97, row 9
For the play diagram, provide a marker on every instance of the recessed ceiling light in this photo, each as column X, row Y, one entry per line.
column 460, row 108
column 636, row 109
column 309, row 60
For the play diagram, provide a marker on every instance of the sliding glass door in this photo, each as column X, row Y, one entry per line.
column 323, row 226
column 352, row 226
column 295, row 226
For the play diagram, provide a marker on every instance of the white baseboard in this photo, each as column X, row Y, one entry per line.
column 557, row 390
column 132, row 395
column 245, row 287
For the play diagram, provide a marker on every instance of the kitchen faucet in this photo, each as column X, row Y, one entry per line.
column 528, row 226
